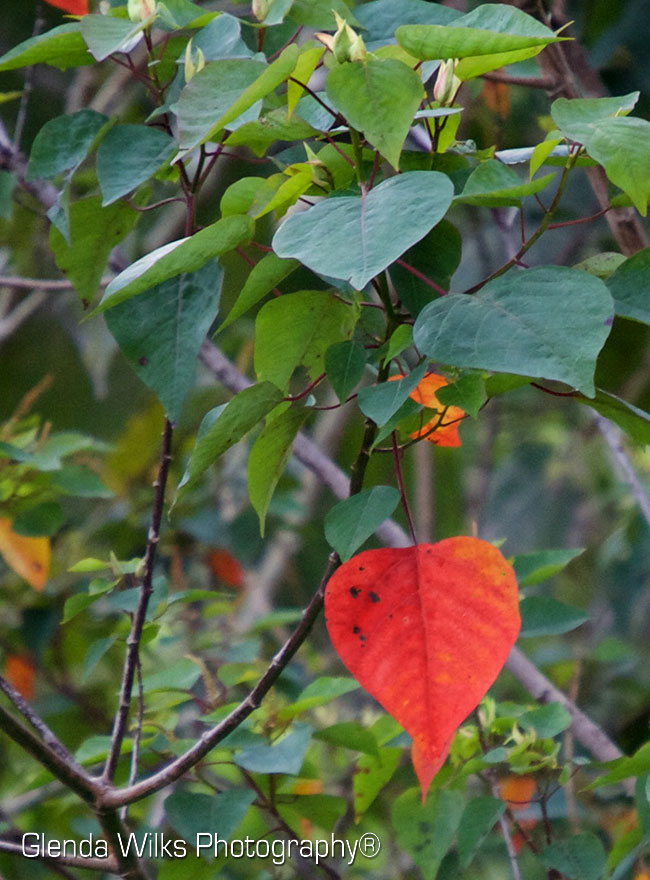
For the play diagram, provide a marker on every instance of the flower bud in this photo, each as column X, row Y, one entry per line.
column 347, row 45
column 261, row 9
column 447, row 83
column 139, row 10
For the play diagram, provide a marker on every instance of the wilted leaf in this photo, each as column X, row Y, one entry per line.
column 29, row 557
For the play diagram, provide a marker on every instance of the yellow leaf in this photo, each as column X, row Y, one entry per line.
column 29, row 557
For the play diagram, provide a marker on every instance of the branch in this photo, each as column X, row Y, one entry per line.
column 623, row 464
column 587, row 731
column 65, row 769
column 139, row 618
column 91, row 864
column 48, row 737
column 169, row 774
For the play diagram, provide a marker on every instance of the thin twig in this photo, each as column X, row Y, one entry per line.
column 45, row 284
column 613, row 439
column 133, row 640
column 28, row 83
column 531, row 82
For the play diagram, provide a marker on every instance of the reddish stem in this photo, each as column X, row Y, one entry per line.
column 422, row 277
column 397, row 457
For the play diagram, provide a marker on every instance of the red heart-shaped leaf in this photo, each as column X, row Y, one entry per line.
column 425, row 630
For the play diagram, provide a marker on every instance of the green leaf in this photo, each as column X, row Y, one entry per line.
column 548, row 322
column 221, row 38
column 210, row 94
column 62, row 47
column 630, row 287
column 344, row 363
column 191, row 814
column 373, row 773
column 81, row 481
column 8, row 183
column 78, row 603
column 259, row 134
column 96, row 650
column 468, row 392
column 602, row 265
column 94, row 232
column 581, row 857
column 351, row 522
column 380, row 402
column 426, row 831
column 129, row 155
column 622, row 147
column 490, row 36
column 179, row 676
column 378, row 97
column 177, row 257
column 349, row 735
column 224, row 426
column 399, row 341
column 321, row 691
column 285, row 756
column 320, row 13
column 625, row 767
column 543, row 616
column 479, row 818
column 44, row 519
column 576, row 117
column 436, row 256
column 269, row 272
column 306, row 64
column 324, row 810
column 494, row 184
column 547, row 721
column 634, row 421
column 183, row 14
column 269, row 457
column 225, row 90
column 63, row 143
column 620, row 144
column 297, row 329
column 105, row 34
column 348, row 238
column 381, row 18
column 161, row 332
column 533, row 568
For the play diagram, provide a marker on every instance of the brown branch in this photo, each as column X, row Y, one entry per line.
column 91, row 864
column 174, row 771
column 21, row 704
column 65, row 769
column 531, row 82
column 139, row 618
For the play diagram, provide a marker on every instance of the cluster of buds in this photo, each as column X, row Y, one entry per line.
column 346, row 44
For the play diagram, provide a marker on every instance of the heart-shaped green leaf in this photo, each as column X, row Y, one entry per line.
column 349, row 238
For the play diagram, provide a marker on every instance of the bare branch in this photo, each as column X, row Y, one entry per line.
column 91, row 864
column 139, row 618
column 612, row 438
column 65, row 769
column 20, row 703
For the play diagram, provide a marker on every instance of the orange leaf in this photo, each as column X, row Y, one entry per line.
column 517, row 791
column 19, row 671
column 497, row 97
column 226, row 568
column 446, row 434
column 425, row 630
column 29, row 557
column 74, row 7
